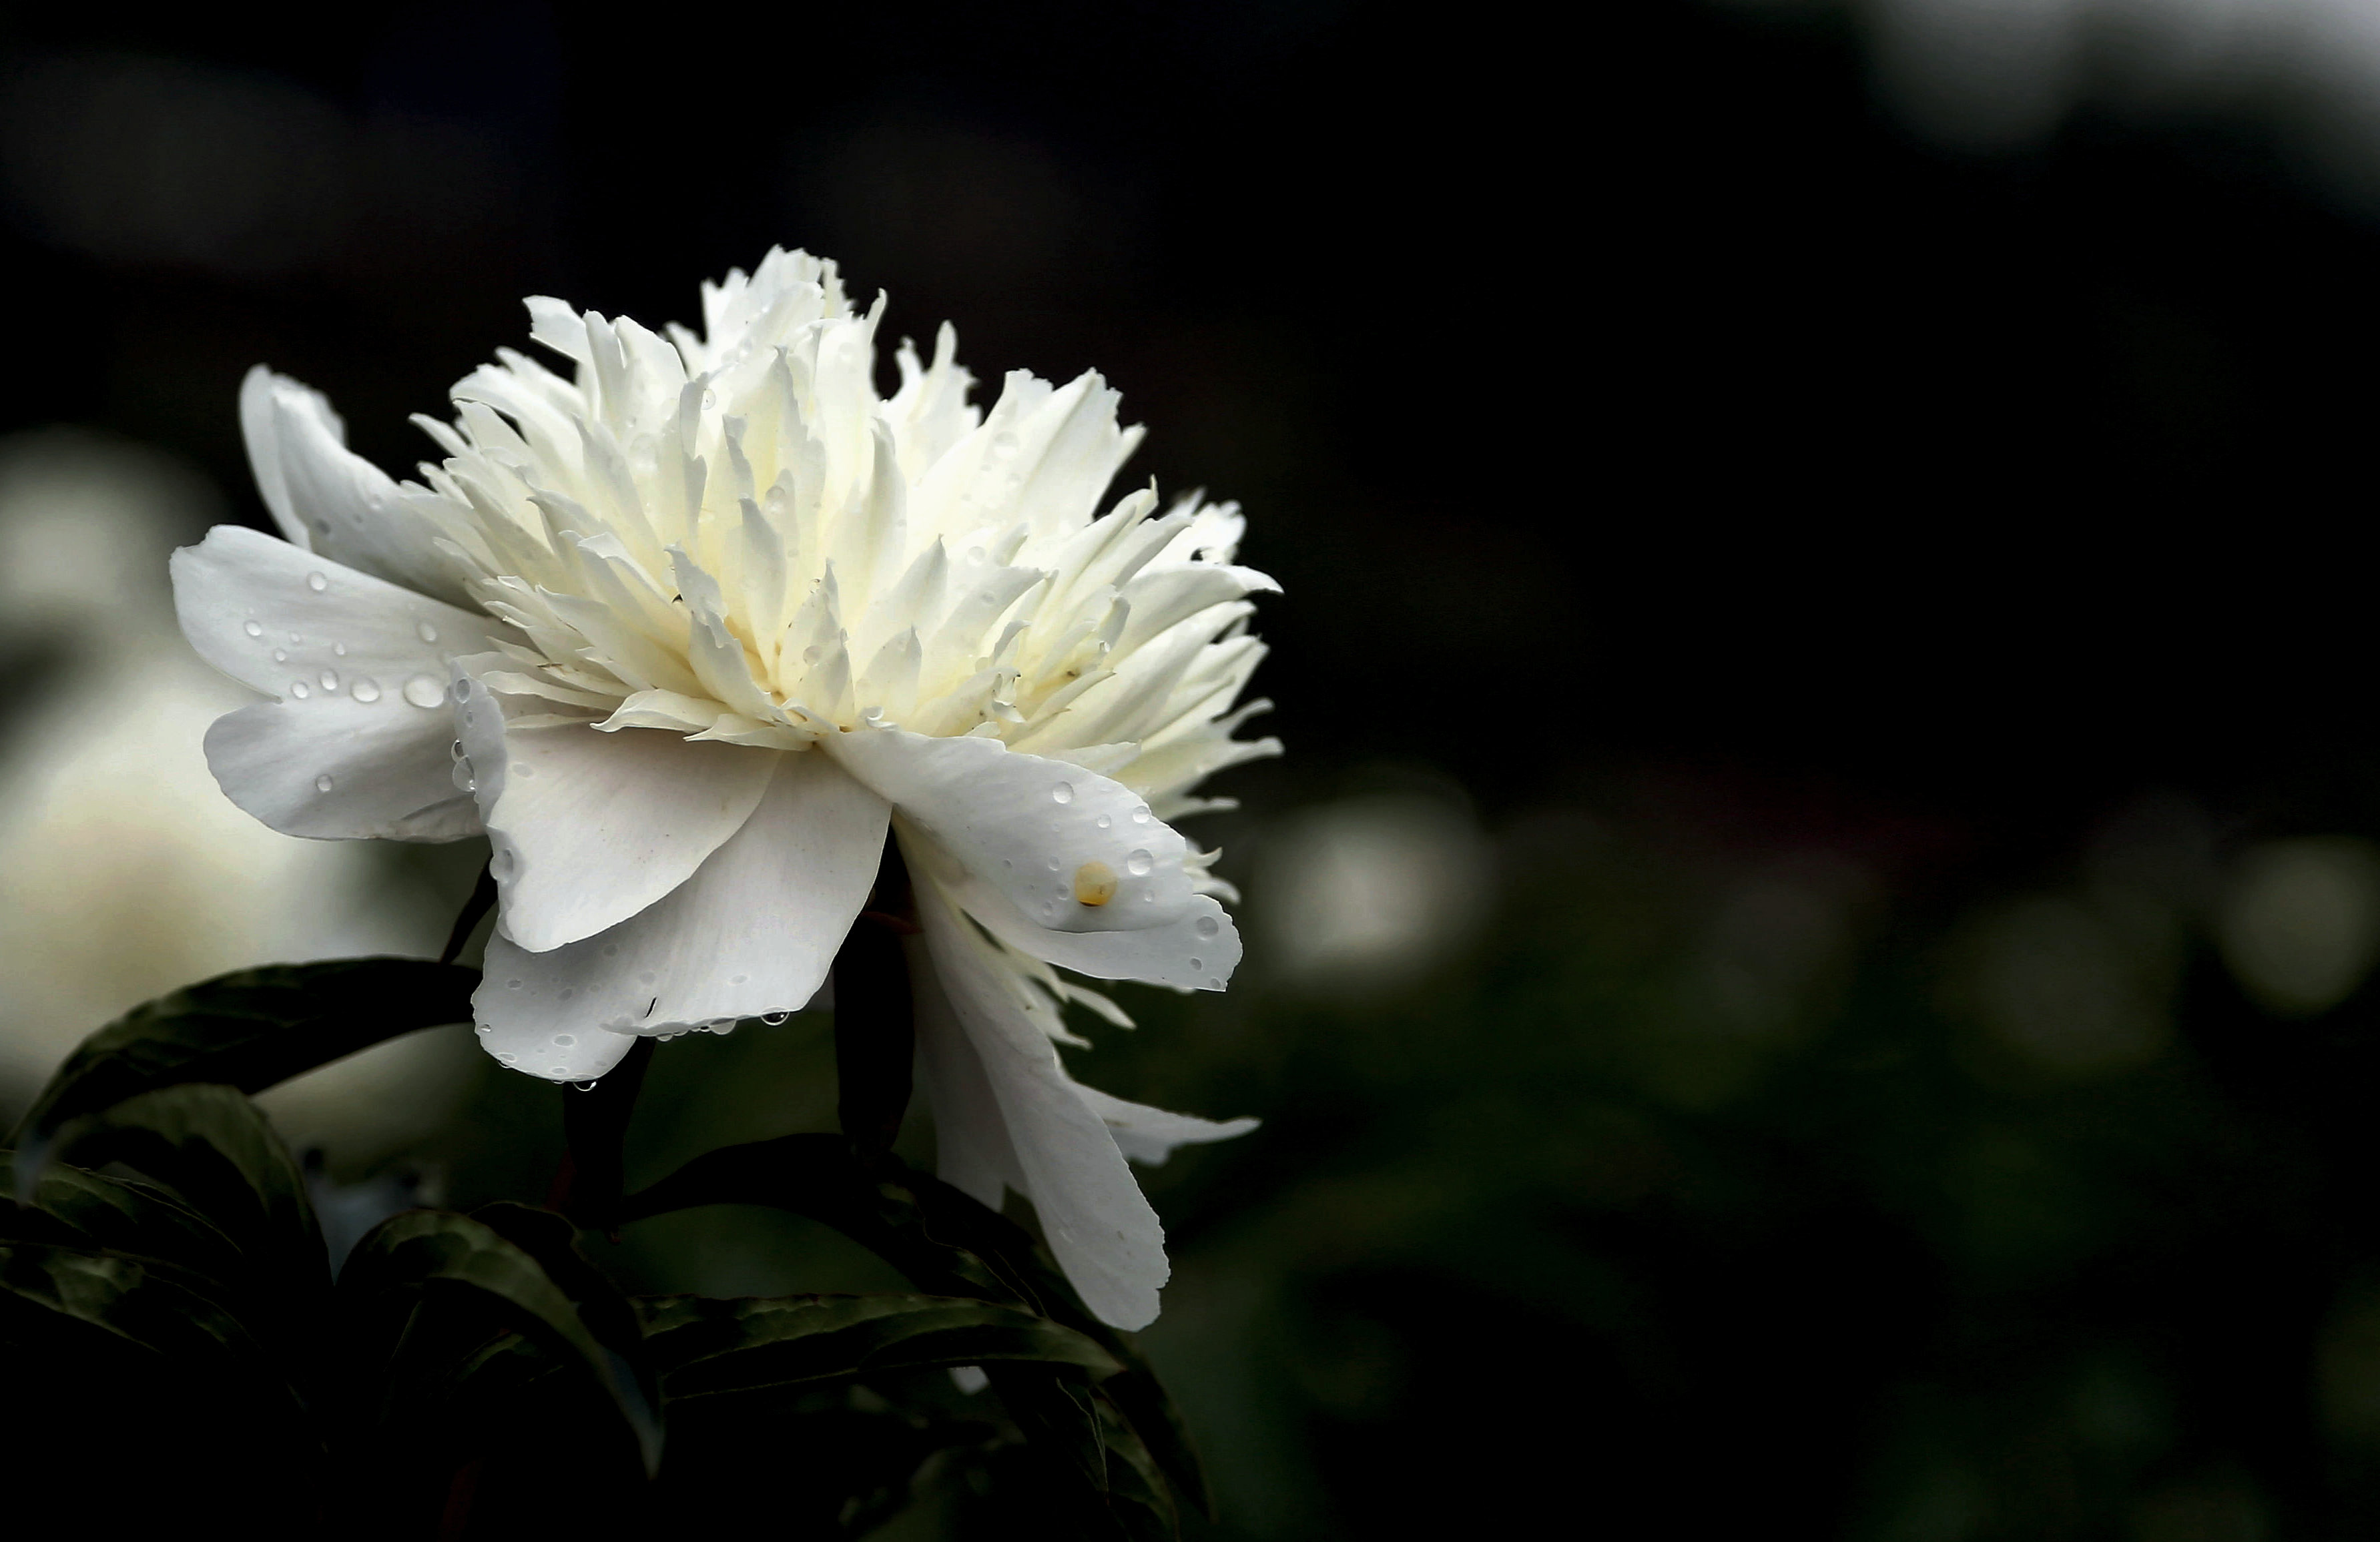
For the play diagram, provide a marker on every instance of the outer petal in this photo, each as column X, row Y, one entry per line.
column 1147, row 1134
column 325, row 497
column 358, row 745
column 1197, row 951
column 754, row 930
column 1034, row 829
column 590, row 827
column 1102, row 1229
column 972, row 1151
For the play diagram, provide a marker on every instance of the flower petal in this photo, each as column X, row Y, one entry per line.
column 1147, row 1134
column 327, row 498
column 1196, row 951
column 1099, row 1225
column 560, row 1051
column 1071, row 850
column 753, row 931
column 971, row 1147
column 357, row 746
column 591, row 827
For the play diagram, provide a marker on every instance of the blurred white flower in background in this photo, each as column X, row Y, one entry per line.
column 1367, row 893
column 126, row 873
column 2300, row 923
column 1988, row 76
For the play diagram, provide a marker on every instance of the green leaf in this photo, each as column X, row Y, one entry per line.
column 247, row 1030
column 140, row 1302
column 944, row 1242
column 213, row 1148
column 123, row 1215
column 420, row 1253
column 706, row 1347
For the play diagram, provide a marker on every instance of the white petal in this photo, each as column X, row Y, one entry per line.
column 1147, row 1134
column 562, row 1050
column 1196, row 951
column 753, row 931
column 326, row 497
column 1100, row 1228
column 1040, row 831
column 358, row 745
column 971, row 1148
column 591, row 827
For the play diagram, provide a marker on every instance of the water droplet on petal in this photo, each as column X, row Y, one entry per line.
column 1095, row 884
column 1138, row 864
column 503, row 860
column 566, row 1040
column 568, row 992
column 340, row 649
column 773, row 1018
column 1140, row 816
column 1103, row 821
column 297, row 637
column 323, row 784
column 1063, row 793
column 562, row 1071
column 582, row 1086
column 484, row 1029
column 365, row 689
column 253, row 630
column 512, row 984
column 738, row 979
column 1208, row 926
column 316, row 582
column 464, row 777
column 299, row 689
column 331, row 680
column 426, row 632
column 281, row 655
column 1214, row 985
column 462, row 690
column 1003, row 444
column 1053, row 864
column 423, row 691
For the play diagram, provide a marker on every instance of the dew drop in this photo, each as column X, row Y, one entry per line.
column 512, row 984
column 1138, row 864
column 462, row 690
column 1047, row 910
column 297, row 636
column 316, row 582
column 1197, row 964
column 426, row 632
column 253, row 630
column 773, row 1018
column 1095, row 884
column 323, row 784
column 1214, row 985
column 581, row 1087
column 648, row 977
column 464, row 777
column 568, row 992
column 738, row 979
column 506, row 1057
column 1063, row 793
column 455, row 749
column 299, row 689
column 524, row 769
column 331, row 680
column 1140, row 816
column 1103, row 821
column 562, row 1071
column 340, row 649
column 484, row 1029
column 1003, row 444
column 1053, row 864
column 564, row 1039
column 1208, row 926
column 281, row 655
column 502, row 862
column 423, row 691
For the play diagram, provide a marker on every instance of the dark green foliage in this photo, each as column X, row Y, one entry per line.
column 476, row 1375
column 247, row 1030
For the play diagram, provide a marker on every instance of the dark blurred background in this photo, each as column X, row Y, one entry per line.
column 1809, row 957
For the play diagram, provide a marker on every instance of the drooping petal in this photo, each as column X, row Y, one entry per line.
column 591, row 827
column 1147, row 1134
column 1100, row 1228
column 327, row 498
column 1071, row 850
column 1196, row 951
column 754, row 930
column 356, row 746
column 568, row 1052
column 972, row 1151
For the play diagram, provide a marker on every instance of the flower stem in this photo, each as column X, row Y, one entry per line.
column 875, row 1036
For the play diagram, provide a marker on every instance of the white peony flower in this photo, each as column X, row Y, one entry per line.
column 685, row 632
